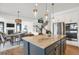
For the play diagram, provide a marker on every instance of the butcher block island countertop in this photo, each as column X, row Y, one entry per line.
column 43, row 41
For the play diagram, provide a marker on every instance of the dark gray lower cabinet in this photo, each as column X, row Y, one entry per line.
column 54, row 49
column 57, row 48
column 30, row 49
column 34, row 50
column 63, row 46
column 26, row 47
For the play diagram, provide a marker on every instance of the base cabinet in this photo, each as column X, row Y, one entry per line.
column 63, row 46
column 26, row 48
column 58, row 48
column 34, row 50
column 54, row 49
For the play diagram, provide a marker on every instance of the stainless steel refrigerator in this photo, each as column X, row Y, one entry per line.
column 58, row 28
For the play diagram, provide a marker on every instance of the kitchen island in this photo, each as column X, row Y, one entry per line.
column 44, row 45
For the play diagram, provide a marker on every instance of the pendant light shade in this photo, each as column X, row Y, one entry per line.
column 46, row 14
column 18, row 21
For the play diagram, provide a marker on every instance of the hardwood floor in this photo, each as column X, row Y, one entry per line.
column 70, row 50
column 15, row 51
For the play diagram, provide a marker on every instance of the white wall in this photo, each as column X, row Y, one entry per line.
column 29, row 25
column 68, row 16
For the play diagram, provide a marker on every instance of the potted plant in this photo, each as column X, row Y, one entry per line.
column 48, row 32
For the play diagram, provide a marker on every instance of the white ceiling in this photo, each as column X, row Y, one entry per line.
column 26, row 8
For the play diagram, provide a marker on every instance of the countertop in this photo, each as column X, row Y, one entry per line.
column 43, row 41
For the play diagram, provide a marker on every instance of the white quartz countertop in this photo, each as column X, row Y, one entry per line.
column 43, row 41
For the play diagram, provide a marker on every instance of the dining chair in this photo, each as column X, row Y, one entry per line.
column 2, row 40
column 10, row 39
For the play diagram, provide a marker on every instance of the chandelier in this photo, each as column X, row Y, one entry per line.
column 53, row 11
column 35, row 10
column 46, row 13
column 18, row 21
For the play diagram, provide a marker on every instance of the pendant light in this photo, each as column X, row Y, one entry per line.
column 18, row 20
column 35, row 10
column 46, row 12
column 53, row 10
